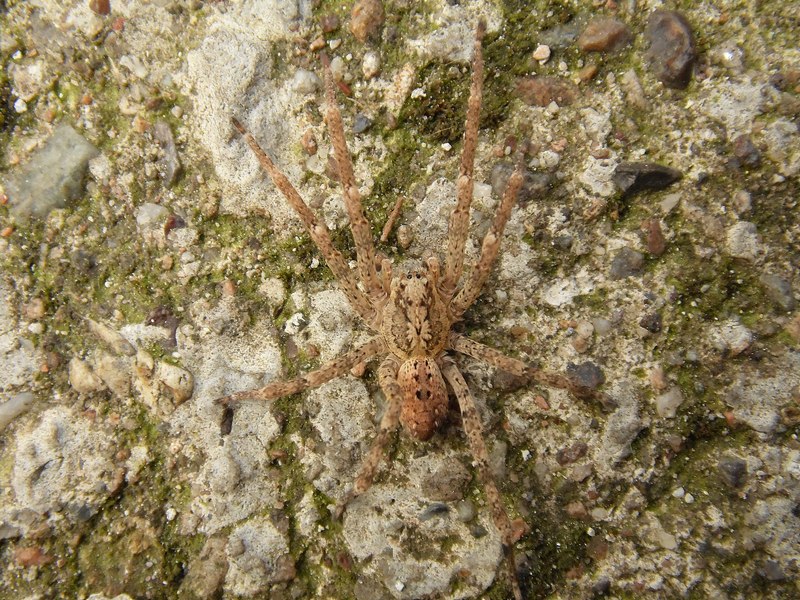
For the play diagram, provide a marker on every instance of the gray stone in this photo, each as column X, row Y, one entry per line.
column 667, row 403
column 742, row 241
column 732, row 470
column 15, row 406
column 169, row 165
column 53, row 176
column 779, row 290
column 627, row 263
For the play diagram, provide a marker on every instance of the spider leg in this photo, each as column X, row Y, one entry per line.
column 491, row 246
column 458, row 227
column 473, row 430
column 497, row 359
column 335, row 368
column 387, row 377
column 316, row 228
column 362, row 234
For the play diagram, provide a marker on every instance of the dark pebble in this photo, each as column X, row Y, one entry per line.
column 672, row 51
column 604, row 34
column 541, row 91
column 632, row 177
column 478, row 531
column 779, row 290
column 651, row 322
column 733, row 470
column 627, row 263
column 534, row 185
column 586, row 375
column 566, row 456
column 433, row 510
column 361, row 123
column 745, row 152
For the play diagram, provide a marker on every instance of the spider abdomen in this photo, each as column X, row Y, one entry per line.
column 424, row 396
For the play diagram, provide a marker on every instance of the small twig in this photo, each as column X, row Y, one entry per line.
column 387, row 229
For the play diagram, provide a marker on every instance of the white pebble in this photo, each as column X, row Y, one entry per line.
column 371, row 65
column 20, row 105
column 542, row 53
column 688, row 498
column 678, row 492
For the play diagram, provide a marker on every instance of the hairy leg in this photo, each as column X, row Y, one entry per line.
column 335, row 368
column 362, row 234
column 491, row 246
column 316, row 229
column 473, row 430
column 458, row 229
column 497, row 359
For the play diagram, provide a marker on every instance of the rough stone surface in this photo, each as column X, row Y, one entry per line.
column 53, row 176
column 205, row 283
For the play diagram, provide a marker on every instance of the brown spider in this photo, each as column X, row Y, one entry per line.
column 412, row 313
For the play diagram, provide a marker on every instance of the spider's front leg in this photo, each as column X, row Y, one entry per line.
column 315, row 227
column 362, row 234
column 458, row 227
column 473, row 430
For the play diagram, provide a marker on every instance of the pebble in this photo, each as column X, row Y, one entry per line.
column 53, row 176
column 306, row 82
column 366, row 19
column 371, row 64
column 571, row 454
column 542, row 53
column 169, row 165
column 361, row 123
column 15, row 406
column 329, row 23
column 150, row 215
column 779, row 290
column 742, row 201
column 118, row 344
column 745, row 152
column 667, row 404
column 534, row 185
column 627, row 263
column 672, row 50
column 742, row 241
column 542, row 91
column 179, row 381
column 732, row 470
column 309, row 142
column 604, row 34
column 656, row 243
column 651, row 322
column 82, row 378
column 731, row 337
column 466, row 510
column 632, row 177
column 658, row 379
column 634, row 93
column 576, row 510
column 586, row 375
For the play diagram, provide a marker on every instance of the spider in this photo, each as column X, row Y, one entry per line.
column 412, row 313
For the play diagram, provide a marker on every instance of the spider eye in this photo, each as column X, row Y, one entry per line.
column 408, row 276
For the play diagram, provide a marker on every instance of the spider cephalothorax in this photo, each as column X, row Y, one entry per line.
column 412, row 313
